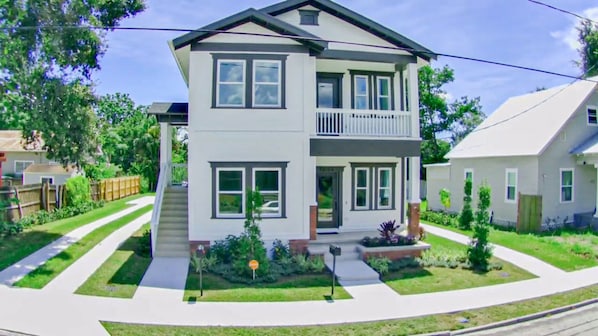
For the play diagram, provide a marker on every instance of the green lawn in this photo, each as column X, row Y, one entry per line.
column 42, row 275
column 295, row 288
column 437, row 279
column 15, row 248
column 559, row 251
column 410, row 326
column 121, row 274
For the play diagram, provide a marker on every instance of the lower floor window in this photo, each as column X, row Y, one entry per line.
column 373, row 182
column 232, row 181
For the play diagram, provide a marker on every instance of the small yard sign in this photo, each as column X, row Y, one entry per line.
column 254, row 264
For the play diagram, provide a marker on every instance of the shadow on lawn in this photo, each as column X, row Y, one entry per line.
column 15, row 248
column 131, row 271
column 407, row 273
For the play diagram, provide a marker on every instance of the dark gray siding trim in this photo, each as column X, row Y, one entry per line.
column 245, row 47
column 355, row 147
column 373, row 184
column 172, row 113
column 365, row 56
column 249, row 166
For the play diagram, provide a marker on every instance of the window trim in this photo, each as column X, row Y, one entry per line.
column 572, row 186
column 357, row 188
column 507, row 171
column 367, row 92
column 256, row 83
column 379, row 188
column 595, row 108
column 378, row 95
column 373, row 182
column 248, row 168
column 372, row 80
column 21, row 161
column 304, row 14
column 243, row 83
column 218, row 192
column 468, row 170
column 278, row 192
column 51, row 178
column 249, row 80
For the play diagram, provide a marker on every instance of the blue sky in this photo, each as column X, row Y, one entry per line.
column 509, row 31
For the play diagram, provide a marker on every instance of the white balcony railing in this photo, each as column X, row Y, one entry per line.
column 366, row 123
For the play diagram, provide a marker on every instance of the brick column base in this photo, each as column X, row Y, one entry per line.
column 413, row 225
column 193, row 246
column 313, row 222
column 298, row 246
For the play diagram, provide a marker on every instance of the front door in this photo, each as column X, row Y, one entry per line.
column 329, row 203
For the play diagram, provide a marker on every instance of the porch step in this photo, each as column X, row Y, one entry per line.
column 173, row 231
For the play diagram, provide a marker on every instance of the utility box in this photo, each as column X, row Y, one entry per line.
column 335, row 250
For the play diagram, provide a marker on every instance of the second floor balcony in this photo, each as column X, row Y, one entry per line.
column 363, row 123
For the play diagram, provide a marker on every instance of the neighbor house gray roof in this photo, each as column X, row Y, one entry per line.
column 525, row 125
column 50, row 168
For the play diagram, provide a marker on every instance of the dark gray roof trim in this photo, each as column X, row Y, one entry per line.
column 356, row 19
column 587, row 144
column 257, row 17
column 172, row 113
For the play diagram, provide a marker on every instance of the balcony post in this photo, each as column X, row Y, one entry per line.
column 413, row 99
column 165, row 146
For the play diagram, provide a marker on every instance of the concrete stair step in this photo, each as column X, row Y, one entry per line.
column 172, row 246
column 173, row 240
column 173, row 232
column 171, row 254
column 345, row 256
column 321, row 248
column 182, row 220
column 174, row 213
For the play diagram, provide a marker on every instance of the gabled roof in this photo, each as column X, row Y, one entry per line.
column 12, row 141
column 172, row 113
column 254, row 16
column 355, row 19
column 50, row 168
column 525, row 125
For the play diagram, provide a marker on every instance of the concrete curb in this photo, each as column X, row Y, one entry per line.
column 4, row 332
column 516, row 320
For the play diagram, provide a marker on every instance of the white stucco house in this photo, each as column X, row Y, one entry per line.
column 327, row 131
column 543, row 143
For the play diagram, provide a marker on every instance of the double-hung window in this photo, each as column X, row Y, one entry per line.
column 511, row 185
column 249, row 81
column 232, row 181
column 21, row 165
column 566, row 185
column 373, row 186
column 372, row 90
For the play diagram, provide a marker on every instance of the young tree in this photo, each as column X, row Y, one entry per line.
column 466, row 216
column 588, row 52
column 45, row 81
column 437, row 116
column 479, row 251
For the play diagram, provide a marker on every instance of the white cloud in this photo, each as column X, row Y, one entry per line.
column 569, row 35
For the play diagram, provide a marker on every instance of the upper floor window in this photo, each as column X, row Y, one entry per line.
column 372, row 90
column 592, row 117
column 249, row 81
column 511, row 185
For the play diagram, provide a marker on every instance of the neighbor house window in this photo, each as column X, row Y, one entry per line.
column 249, row 81
column 46, row 179
column 511, row 185
column 592, row 117
column 266, row 87
column 362, row 182
column 468, row 174
column 232, row 181
column 231, row 192
column 21, row 165
column 566, row 185
column 267, row 182
column 231, row 83
column 372, row 90
column 373, row 186
column 384, row 190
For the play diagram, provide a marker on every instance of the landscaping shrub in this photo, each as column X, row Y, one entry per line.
column 280, row 250
column 144, row 248
column 379, row 264
column 466, row 216
column 78, row 191
column 479, row 251
column 100, row 171
column 442, row 218
column 398, row 240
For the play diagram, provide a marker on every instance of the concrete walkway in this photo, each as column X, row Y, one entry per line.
column 527, row 262
column 58, row 312
column 17, row 271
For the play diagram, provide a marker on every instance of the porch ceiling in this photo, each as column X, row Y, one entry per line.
column 171, row 113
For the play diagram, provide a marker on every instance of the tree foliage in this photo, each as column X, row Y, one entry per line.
column 466, row 216
column 588, row 52
column 440, row 118
column 45, row 71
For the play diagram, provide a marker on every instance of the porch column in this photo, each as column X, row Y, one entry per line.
column 165, row 145
column 414, row 200
column 413, row 99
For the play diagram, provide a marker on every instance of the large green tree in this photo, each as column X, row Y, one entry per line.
column 46, row 61
column 588, row 51
column 443, row 123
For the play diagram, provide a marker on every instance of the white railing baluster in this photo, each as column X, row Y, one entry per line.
column 366, row 123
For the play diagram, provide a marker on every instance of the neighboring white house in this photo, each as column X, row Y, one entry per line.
column 323, row 129
column 19, row 154
column 543, row 143
column 51, row 173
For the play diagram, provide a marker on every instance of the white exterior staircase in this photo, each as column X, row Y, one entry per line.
column 173, row 232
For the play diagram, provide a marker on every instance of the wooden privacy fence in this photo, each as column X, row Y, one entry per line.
column 115, row 188
column 529, row 214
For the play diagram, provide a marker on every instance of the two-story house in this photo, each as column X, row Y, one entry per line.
column 309, row 102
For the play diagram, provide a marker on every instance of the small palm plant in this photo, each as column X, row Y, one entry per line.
column 387, row 230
